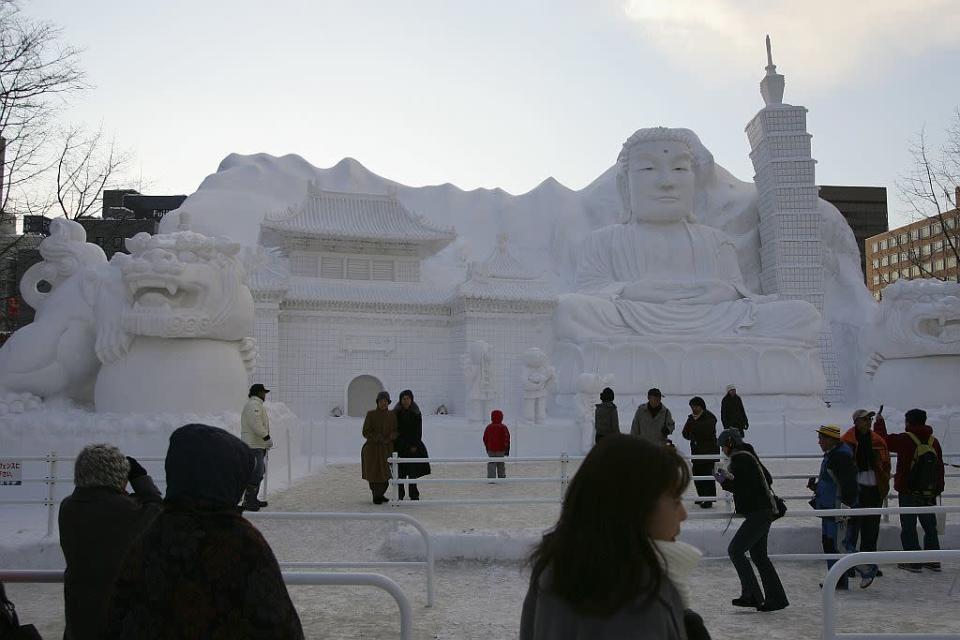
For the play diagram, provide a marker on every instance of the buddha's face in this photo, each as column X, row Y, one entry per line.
column 661, row 181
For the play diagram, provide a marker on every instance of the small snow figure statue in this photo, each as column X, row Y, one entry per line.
column 478, row 377
column 442, row 410
column 538, row 375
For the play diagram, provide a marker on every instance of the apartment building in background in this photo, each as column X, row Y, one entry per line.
column 926, row 248
column 864, row 209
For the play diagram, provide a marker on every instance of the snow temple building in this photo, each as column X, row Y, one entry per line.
column 341, row 311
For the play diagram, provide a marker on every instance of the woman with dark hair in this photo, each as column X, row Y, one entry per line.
column 701, row 430
column 749, row 481
column 409, row 442
column 612, row 568
column 606, row 420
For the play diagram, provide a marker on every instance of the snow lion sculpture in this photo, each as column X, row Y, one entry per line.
column 163, row 330
column 916, row 336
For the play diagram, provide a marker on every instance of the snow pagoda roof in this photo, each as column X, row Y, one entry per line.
column 359, row 217
column 502, row 277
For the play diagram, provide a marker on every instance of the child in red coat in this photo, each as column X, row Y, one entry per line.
column 496, row 438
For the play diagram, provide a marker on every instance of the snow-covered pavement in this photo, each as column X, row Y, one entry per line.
column 482, row 599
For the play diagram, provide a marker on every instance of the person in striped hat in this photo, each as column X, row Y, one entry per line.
column 835, row 485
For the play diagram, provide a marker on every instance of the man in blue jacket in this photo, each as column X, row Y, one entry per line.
column 836, row 484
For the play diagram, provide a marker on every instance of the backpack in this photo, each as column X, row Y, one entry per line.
column 923, row 478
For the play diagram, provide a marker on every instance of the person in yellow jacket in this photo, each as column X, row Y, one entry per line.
column 255, row 433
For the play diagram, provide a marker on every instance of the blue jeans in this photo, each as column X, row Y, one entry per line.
column 908, row 524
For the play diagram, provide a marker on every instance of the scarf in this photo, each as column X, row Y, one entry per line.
column 678, row 560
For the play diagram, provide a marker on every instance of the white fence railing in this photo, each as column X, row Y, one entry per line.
column 563, row 477
column 876, row 557
column 428, row 563
column 294, row 578
column 54, row 466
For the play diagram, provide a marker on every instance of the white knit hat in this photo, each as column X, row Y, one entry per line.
column 101, row 465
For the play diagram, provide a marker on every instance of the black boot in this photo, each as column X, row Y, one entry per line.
column 250, row 502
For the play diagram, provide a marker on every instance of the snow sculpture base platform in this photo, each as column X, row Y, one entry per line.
column 193, row 375
column 696, row 366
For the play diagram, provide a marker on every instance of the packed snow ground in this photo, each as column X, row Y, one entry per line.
column 482, row 598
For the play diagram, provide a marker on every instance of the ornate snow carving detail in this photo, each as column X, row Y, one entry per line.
column 175, row 316
column 537, row 378
column 915, row 337
column 916, row 319
column 478, row 376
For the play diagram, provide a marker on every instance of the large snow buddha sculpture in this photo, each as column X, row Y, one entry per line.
column 661, row 278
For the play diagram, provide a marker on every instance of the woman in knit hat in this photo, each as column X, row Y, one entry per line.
column 606, row 420
column 98, row 523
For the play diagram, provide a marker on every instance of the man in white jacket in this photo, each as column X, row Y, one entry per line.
column 255, row 433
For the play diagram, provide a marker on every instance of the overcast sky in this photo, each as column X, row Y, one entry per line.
column 505, row 93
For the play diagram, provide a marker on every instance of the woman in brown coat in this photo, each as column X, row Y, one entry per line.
column 380, row 430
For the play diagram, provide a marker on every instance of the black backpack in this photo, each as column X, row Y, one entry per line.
column 923, row 479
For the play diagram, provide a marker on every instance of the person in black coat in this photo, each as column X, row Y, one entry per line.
column 749, row 481
column 409, row 442
column 732, row 413
column 701, row 430
column 98, row 524
column 606, row 420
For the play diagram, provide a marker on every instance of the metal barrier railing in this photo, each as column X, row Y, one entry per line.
column 53, row 460
column 563, row 478
column 293, row 578
column 427, row 564
column 875, row 557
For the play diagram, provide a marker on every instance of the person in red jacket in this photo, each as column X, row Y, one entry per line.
column 904, row 445
column 496, row 438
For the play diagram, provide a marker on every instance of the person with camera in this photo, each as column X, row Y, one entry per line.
column 836, row 485
column 749, row 482
column 99, row 522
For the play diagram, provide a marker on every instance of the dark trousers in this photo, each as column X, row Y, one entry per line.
column 867, row 528
column 908, row 524
column 253, row 485
column 752, row 537
column 705, row 488
column 378, row 489
column 404, row 472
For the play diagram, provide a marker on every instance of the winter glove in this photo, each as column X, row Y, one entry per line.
column 812, row 484
column 136, row 469
column 269, row 441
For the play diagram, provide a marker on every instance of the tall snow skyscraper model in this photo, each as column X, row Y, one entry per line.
column 791, row 248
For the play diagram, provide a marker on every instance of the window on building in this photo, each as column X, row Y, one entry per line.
column 914, row 271
column 938, row 245
column 951, row 262
column 903, row 238
column 884, row 261
column 893, row 241
column 927, row 266
column 876, row 296
column 925, row 231
column 915, row 234
column 876, row 279
column 925, row 250
column 938, row 265
column 935, row 228
column 894, row 258
column 894, row 276
column 903, row 256
column 951, row 223
column 117, row 242
column 876, row 263
column 883, row 245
